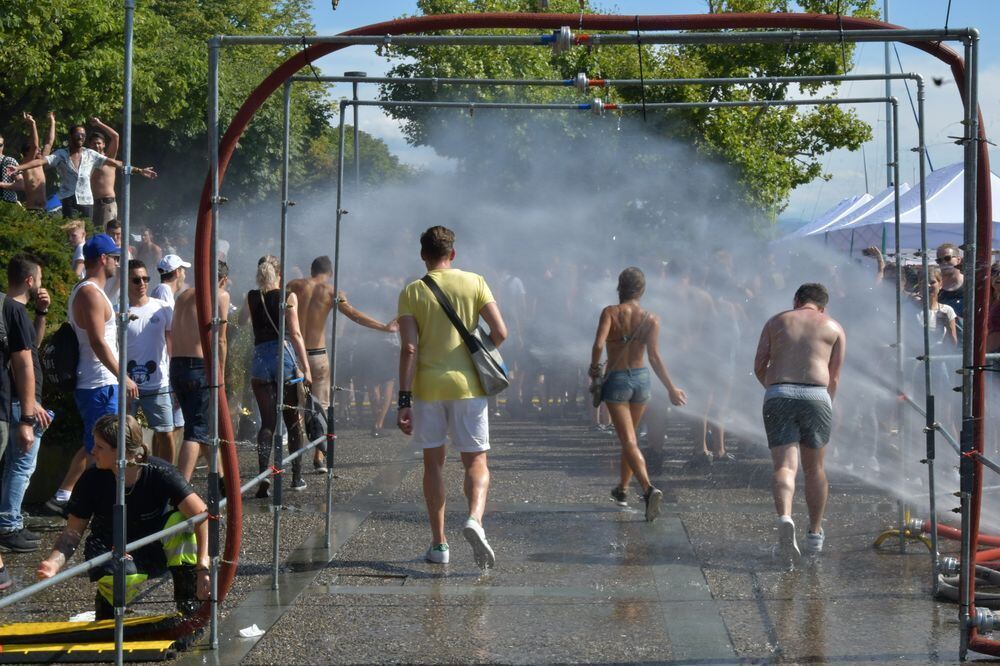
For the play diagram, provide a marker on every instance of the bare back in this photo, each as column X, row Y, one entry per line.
column 801, row 346
column 315, row 302
column 628, row 336
column 186, row 334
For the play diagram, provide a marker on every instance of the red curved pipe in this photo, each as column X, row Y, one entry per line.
column 990, row 555
column 787, row 21
column 955, row 534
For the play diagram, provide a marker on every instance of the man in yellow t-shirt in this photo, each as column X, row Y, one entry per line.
column 440, row 396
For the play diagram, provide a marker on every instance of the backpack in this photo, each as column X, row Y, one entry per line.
column 59, row 358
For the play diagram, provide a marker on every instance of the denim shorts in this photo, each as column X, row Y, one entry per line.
column 158, row 408
column 265, row 367
column 631, row 385
column 187, row 376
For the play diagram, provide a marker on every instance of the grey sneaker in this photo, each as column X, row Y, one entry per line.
column 653, row 497
column 298, row 484
column 619, row 496
column 474, row 534
column 814, row 542
column 5, row 581
column 54, row 507
column 786, row 539
column 14, row 542
column 437, row 554
column 29, row 535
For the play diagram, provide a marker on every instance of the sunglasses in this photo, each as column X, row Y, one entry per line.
column 941, row 260
column 144, row 279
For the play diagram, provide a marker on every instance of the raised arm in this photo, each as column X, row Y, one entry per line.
column 32, row 128
column 677, row 396
column 50, row 139
column 111, row 150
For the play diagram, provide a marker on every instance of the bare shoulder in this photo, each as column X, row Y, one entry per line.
column 835, row 326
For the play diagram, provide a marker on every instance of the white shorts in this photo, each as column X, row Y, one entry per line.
column 465, row 421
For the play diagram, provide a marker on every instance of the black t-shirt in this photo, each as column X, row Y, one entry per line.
column 20, row 336
column 955, row 298
column 157, row 492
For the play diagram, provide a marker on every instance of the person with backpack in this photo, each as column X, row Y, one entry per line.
column 24, row 279
column 16, row 340
column 91, row 317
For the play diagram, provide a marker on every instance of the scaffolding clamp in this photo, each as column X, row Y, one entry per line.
column 562, row 40
column 581, row 82
column 985, row 620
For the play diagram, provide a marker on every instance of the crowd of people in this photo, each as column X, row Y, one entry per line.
column 416, row 347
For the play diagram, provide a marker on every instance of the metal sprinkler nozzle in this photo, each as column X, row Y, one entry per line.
column 563, row 40
column 581, row 82
column 597, row 106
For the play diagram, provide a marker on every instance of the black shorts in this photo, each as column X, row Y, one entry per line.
column 187, row 376
column 794, row 420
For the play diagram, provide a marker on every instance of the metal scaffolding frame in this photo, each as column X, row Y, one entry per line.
column 560, row 40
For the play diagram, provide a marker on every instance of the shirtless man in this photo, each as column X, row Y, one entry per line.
column 316, row 298
column 187, row 370
column 34, row 179
column 799, row 357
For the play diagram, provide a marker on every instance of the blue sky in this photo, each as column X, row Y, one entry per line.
column 848, row 169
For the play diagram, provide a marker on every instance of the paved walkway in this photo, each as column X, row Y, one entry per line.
column 577, row 578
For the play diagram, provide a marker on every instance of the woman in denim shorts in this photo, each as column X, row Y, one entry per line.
column 262, row 309
column 630, row 334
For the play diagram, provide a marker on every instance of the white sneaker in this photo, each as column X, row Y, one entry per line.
column 786, row 539
column 437, row 554
column 814, row 542
column 474, row 534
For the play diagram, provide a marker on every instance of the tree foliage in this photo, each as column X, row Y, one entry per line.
column 773, row 150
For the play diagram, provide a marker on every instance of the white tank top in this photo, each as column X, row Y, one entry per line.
column 90, row 372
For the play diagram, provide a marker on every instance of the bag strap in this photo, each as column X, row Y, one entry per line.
column 263, row 306
column 3, row 323
column 467, row 338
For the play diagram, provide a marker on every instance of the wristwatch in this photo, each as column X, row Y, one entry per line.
column 29, row 419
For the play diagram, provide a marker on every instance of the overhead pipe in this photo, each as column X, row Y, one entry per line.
column 740, row 21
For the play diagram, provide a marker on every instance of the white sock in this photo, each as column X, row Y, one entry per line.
column 63, row 495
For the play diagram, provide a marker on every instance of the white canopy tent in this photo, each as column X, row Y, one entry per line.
column 828, row 218
column 871, row 224
column 945, row 216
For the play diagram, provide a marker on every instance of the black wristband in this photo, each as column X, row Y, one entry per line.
column 41, row 313
column 28, row 419
column 405, row 399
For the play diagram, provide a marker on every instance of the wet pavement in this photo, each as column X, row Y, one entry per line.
column 578, row 579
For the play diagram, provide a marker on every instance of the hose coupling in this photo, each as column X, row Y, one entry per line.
column 915, row 525
column 949, row 566
column 597, row 106
column 581, row 82
column 985, row 620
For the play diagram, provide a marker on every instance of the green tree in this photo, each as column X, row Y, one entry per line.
column 772, row 150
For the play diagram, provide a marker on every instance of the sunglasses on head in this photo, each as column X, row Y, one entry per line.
column 142, row 279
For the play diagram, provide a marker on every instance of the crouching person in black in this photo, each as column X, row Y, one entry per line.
column 156, row 497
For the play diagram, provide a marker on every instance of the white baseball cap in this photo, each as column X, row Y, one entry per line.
column 171, row 263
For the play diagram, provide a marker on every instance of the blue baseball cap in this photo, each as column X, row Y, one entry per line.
column 99, row 244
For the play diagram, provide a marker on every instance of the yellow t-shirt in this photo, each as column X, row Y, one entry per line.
column 444, row 366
